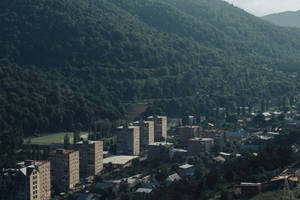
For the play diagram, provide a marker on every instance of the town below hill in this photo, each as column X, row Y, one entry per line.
column 79, row 80
column 253, row 156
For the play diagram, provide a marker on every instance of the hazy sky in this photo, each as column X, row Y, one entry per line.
column 264, row 7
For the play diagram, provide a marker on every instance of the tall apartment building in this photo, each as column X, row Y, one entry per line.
column 146, row 133
column 198, row 146
column 90, row 157
column 65, row 168
column 128, row 140
column 188, row 132
column 160, row 127
column 29, row 181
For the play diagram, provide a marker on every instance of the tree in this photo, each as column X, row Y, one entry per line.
column 226, row 195
column 161, row 174
column 66, row 141
column 200, row 170
column 259, row 120
column 76, row 137
column 213, row 178
column 231, row 119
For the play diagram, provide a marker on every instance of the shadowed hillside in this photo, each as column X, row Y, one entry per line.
column 68, row 63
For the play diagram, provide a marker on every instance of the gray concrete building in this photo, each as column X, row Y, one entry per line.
column 146, row 133
column 160, row 127
column 90, row 157
column 128, row 140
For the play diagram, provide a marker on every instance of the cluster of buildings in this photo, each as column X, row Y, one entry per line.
column 34, row 180
column 135, row 138
column 149, row 138
column 146, row 139
column 66, row 168
column 286, row 180
column 199, row 141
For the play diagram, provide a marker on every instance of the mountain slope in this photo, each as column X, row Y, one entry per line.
column 77, row 33
column 217, row 24
column 289, row 19
column 76, row 61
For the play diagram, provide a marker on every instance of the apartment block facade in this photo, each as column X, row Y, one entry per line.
column 64, row 169
column 156, row 150
column 160, row 127
column 146, row 133
column 29, row 181
column 128, row 140
column 90, row 157
column 188, row 132
column 198, row 146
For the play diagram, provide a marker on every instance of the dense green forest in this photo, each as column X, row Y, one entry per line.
column 289, row 19
column 70, row 62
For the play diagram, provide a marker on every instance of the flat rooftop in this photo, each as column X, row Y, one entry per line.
column 179, row 150
column 62, row 151
column 207, row 139
column 186, row 166
column 129, row 127
column 201, row 139
column 250, row 184
column 119, row 159
column 158, row 117
column 88, row 142
column 224, row 154
column 189, row 126
column 144, row 190
column 161, row 144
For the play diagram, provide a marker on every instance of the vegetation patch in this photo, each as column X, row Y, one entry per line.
column 56, row 138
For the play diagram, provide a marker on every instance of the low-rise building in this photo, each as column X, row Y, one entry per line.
column 157, row 149
column 198, row 146
column 119, row 161
column 186, row 170
column 219, row 159
column 180, row 152
column 251, row 189
column 225, row 155
column 281, row 180
column 144, row 190
column 218, row 135
column 172, row 178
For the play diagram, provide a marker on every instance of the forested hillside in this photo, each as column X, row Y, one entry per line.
column 217, row 24
column 70, row 62
column 289, row 19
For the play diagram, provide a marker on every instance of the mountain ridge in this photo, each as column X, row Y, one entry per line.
column 286, row 19
column 93, row 55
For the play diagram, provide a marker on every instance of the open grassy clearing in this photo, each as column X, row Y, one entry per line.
column 55, row 138
column 135, row 109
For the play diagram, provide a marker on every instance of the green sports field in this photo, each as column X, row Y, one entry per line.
column 55, row 138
